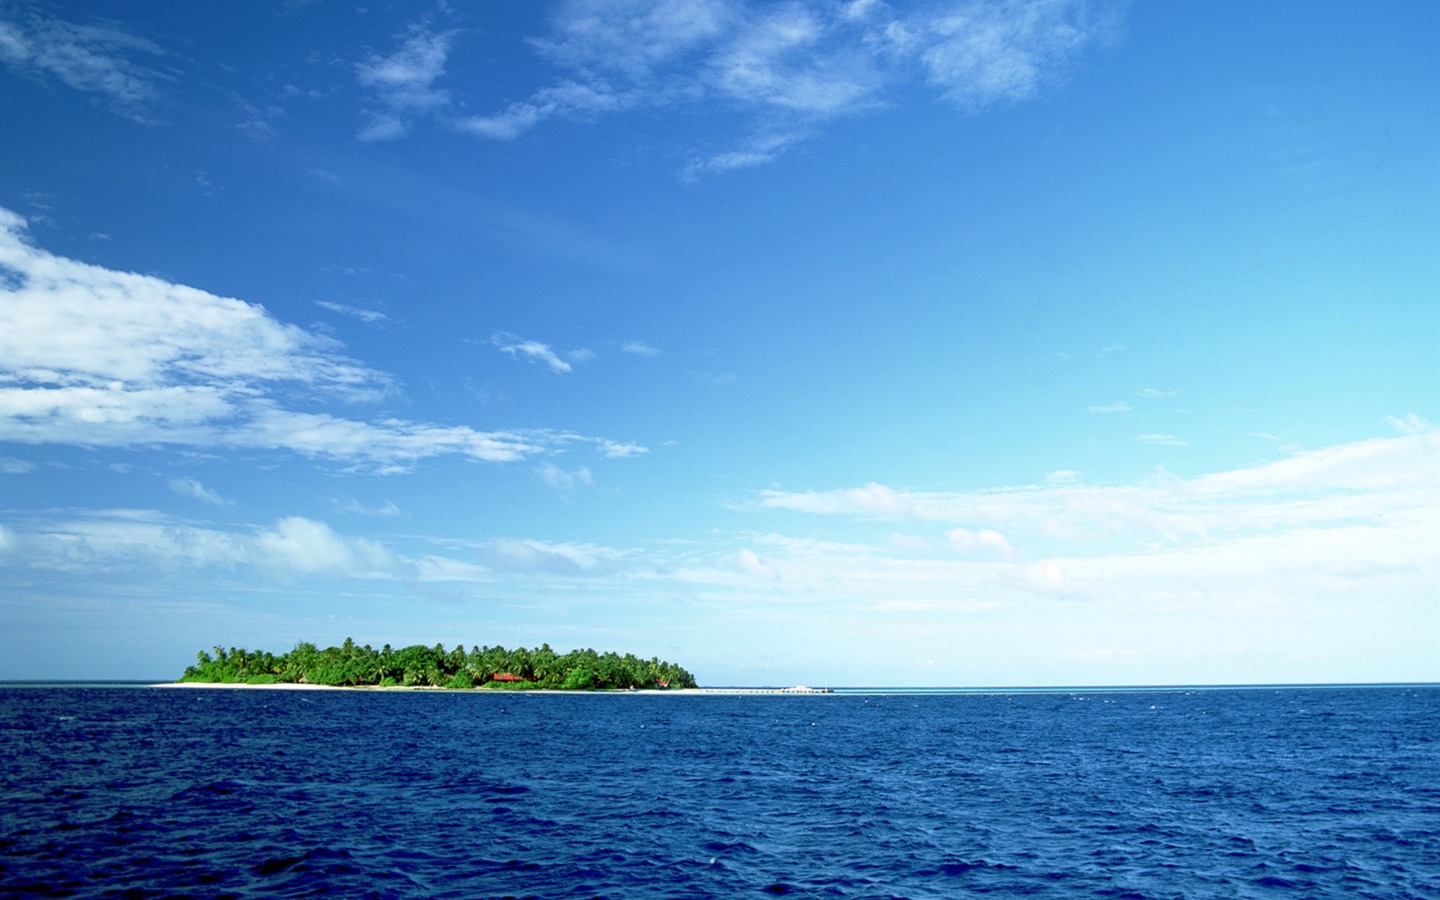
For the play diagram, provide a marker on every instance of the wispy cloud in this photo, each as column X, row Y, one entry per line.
column 617, row 450
column 1111, row 408
column 402, row 84
column 1375, row 483
column 790, row 67
column 355, row 507
column 1151, row 393
column 547, row 557
column 755, row 151
column 638, row 348
column 95, row 357
column 100, row 60
column 1162, row 440
column 191, row 487
column 564, row 481
column 368, row 316
column 10, row 465
column 535, row 351
column 117, row 539
column 986, row 540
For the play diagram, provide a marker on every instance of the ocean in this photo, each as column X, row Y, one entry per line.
column 1163, row 793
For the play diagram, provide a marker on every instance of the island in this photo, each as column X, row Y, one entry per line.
column 491, row 668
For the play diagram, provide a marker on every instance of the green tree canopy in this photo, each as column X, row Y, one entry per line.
column 355, row 665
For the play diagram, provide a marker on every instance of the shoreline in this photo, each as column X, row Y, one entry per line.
column 291, row 686
column 775, row 691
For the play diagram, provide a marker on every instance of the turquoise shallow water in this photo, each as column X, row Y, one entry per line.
column 1262, row 792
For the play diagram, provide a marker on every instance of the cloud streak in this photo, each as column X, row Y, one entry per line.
column 367, row 316
column 99, row 60
column 785, row 68
column 1376, row 484
column 191, row 487
column 98, row 358
column 401, row 86
column 534, row 351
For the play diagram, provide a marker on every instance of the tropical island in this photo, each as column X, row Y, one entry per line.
column 492, row 668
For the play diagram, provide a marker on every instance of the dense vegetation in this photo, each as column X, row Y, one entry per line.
column 355, row 665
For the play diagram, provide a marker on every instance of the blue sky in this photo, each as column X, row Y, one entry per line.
column 944, row 343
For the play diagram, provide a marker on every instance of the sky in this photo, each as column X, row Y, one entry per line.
column 956, row 342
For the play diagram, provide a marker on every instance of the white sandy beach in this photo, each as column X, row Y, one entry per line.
column 726, row 691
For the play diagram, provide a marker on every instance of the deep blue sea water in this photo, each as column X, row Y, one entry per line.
column 1296, row 792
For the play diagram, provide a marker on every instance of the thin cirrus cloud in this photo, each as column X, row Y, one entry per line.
column 368, row 316
column 100, row 60
column 124, row 539
column 787, row 67
column 191, row 487
column 1317, row 526
column 534, row 351
column 1162, row 440
column 95, row 357
column 401, row 85
column 1386, row 489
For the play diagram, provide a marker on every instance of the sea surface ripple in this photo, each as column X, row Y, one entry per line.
column 1293, row 792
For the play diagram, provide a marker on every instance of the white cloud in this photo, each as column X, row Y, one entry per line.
column 1111, row 408
column 547, row 557
column 1375, row 482
column 190, row 487
column 985, row 54
column 534, row 351
column 368, row 316
column 984, row 541
column 617, row 450
column 777, row 60
column 568, row 99
column 873, row 501
column 1154, row 393
column 757, row 151
column 638, row 348
column 10, row 465
column 355, row 507
column 750, row 563
column 150, row 333
column 306, row 545
column 1411, row 424
column 442, row 569
column 402, row 85
column 634, row 38
column 120, row 539
column 1331, row 553
column 95, row 59
column 790, row 66
column 566, row 482
column 99, row 358
column 144, row 540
